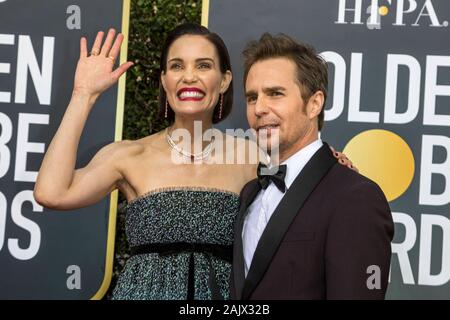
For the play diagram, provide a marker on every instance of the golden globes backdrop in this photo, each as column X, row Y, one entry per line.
column 47, row 254
column 388, row 109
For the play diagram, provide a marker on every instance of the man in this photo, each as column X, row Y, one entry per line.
column 325, row 231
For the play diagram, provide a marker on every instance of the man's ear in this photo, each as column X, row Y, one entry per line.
column 315, row 104
column 226, row 80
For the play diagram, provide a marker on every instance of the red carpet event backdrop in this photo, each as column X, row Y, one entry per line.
column 46, row 254
column 388, row 109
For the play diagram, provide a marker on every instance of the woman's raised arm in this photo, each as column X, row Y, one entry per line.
column 59, row 185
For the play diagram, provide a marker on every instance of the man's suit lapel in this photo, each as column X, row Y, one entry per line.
column 247, row 198
column 284, row 214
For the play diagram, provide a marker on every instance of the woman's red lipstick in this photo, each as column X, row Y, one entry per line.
column 190, row 94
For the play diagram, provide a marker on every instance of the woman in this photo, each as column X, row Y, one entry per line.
column 179, row 216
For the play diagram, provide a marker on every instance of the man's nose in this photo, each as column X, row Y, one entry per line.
column 261, row 107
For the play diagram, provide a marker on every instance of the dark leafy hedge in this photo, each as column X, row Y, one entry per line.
column 150, row 21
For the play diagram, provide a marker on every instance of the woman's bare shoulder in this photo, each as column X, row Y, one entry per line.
column 131, row 148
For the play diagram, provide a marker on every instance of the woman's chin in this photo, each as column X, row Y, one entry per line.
column 192, row 113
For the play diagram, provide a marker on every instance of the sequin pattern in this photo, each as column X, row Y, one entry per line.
column 191, row 215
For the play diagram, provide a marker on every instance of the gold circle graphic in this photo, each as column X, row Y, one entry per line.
column 383, row 10
column 385, row 158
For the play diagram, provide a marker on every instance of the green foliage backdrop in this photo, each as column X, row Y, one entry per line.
column 150, row 21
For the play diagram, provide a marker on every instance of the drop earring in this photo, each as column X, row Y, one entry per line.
column 221, row 106
column 166, row 109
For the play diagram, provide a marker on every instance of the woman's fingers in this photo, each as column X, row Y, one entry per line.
column 342, row 156
column 122, row 69
column 114, row 52
column 335, row 153
column 97, row 44
column 109, row 49
column 343, row 160
column 108, row 42
column 83, row 48
column 351, row 166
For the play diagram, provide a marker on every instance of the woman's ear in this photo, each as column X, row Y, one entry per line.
column 226, row 80
column 315, row 104
column 163, row 80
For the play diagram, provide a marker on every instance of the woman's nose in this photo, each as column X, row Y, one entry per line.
column 189, row 75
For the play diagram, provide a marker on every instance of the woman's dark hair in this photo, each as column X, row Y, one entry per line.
column 224, row 61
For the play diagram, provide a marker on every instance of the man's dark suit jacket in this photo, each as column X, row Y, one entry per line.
column 322, row 241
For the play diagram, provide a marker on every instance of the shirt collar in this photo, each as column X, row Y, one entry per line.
column 298, row 160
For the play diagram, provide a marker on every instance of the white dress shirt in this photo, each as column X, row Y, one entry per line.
column 265, row 203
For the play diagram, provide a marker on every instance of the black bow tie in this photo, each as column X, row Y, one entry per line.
column 277, row 178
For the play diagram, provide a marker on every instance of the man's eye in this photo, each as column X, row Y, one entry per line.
column 276, row 93
column 251, row 99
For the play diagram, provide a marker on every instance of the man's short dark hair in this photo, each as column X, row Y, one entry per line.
column 312, row 71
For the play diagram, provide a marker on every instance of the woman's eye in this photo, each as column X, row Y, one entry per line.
column 204, row 66
column 175, row 66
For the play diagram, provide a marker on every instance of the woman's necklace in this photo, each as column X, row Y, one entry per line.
column 192, row 156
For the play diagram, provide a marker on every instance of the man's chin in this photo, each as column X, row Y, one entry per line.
column 268, row 145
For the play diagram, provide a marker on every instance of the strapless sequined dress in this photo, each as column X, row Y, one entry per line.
column 181, row 240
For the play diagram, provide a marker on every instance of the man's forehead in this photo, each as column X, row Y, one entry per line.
column 273, row 67
column 266, row 86
column 280, row 64
column 275, row 72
